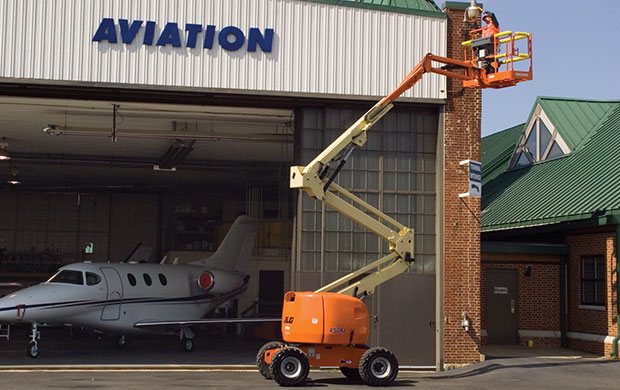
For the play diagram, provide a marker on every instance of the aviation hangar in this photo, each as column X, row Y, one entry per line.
column 140, row 130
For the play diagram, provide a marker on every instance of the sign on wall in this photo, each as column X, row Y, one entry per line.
column 475, row 179
column 275, row 47
column 230, row 38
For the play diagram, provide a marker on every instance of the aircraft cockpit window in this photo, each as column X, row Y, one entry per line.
column 92, row 279
column 147, row 279
column 68, row 277
column 132, row 279
column 162, row 279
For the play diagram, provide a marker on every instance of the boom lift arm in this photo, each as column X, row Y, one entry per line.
column 316, row 179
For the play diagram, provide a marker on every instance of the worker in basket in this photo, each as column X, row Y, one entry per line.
column 483, row 46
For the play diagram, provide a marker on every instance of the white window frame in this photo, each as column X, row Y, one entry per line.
column 538, row 154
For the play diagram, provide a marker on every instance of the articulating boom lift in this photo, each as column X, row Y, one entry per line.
column 329, row 327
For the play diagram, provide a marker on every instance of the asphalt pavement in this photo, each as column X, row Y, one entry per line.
column 152, row 362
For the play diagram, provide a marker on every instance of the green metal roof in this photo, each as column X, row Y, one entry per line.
column 497, row 150
column 426, row 5
column 420, row 7
column 578, row 186
column 575, row 118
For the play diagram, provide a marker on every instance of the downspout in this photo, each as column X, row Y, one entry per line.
column 563, row 300
column 614, row 348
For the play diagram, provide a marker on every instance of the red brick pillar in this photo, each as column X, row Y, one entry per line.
column 461, row 226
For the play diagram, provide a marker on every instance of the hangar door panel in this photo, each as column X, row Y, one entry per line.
column 406, row 322
column 396, row 172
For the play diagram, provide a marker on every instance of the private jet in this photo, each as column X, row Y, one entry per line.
column 132, row 298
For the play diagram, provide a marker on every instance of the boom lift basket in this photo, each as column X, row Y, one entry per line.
column 505, row 49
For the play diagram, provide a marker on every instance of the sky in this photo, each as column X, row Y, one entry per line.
column 576, row 54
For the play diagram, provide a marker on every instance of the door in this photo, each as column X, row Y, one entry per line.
column 270, row 292
column 114, row 300
column 501, row 306
column 406, row 319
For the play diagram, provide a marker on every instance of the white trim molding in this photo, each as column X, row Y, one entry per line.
column 553, row 334
column 592, row 307
column 599, row 338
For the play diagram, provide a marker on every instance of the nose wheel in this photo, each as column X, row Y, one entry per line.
column 33, row 345
column 33, row 349
column 188, row 344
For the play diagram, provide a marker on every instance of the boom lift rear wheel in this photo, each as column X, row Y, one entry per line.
column 289, row 366
column 378, row 367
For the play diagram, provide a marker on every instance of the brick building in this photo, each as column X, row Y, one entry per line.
column 550, row 227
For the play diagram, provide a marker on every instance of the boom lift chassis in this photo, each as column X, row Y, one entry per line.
column 329, row 327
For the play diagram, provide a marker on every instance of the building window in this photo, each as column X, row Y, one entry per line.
column 593, row 289
column 132, row 279
column 540, row 142
column 147, row 279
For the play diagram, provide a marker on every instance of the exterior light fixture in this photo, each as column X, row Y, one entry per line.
column 473, row 12
column 176, row 153
column 14, row 179
column 4, row 152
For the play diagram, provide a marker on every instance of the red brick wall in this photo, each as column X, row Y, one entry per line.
column 538, row 298
column 461, row 226
column 586, row 320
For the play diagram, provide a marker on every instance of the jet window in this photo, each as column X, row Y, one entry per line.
column 68, row 277
column 147, row 279
column 132, row 279
column 92, row 279
column 162, row 279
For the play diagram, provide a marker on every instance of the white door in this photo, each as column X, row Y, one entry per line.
column 112, row 308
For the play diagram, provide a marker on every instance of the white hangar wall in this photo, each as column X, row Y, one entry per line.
column 317, row 49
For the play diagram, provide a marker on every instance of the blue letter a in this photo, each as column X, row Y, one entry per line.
column 106, row 31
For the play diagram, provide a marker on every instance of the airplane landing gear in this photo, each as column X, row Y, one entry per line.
column 188, row 344
column 187, row 339
column 33, row 346
column 121, row 341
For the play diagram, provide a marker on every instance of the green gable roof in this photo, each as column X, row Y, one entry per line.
column 420, row 7
column 575, row 118
column 573, row 187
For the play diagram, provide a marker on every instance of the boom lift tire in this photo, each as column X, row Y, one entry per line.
column 378, row 367
column 263, row 368
column 289, row 366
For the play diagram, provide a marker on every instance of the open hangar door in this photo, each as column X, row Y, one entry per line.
column 112, row 175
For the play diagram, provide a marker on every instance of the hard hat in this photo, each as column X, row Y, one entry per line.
column 490, row 15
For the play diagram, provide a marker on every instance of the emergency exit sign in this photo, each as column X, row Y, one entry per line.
column 89, row 248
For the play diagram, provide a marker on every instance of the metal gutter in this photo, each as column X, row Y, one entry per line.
column 523, row 248
column 585, row 218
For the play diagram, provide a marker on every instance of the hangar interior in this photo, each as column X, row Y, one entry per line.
column 98, row 178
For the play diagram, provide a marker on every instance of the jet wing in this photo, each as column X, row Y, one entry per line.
column 153, row 324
